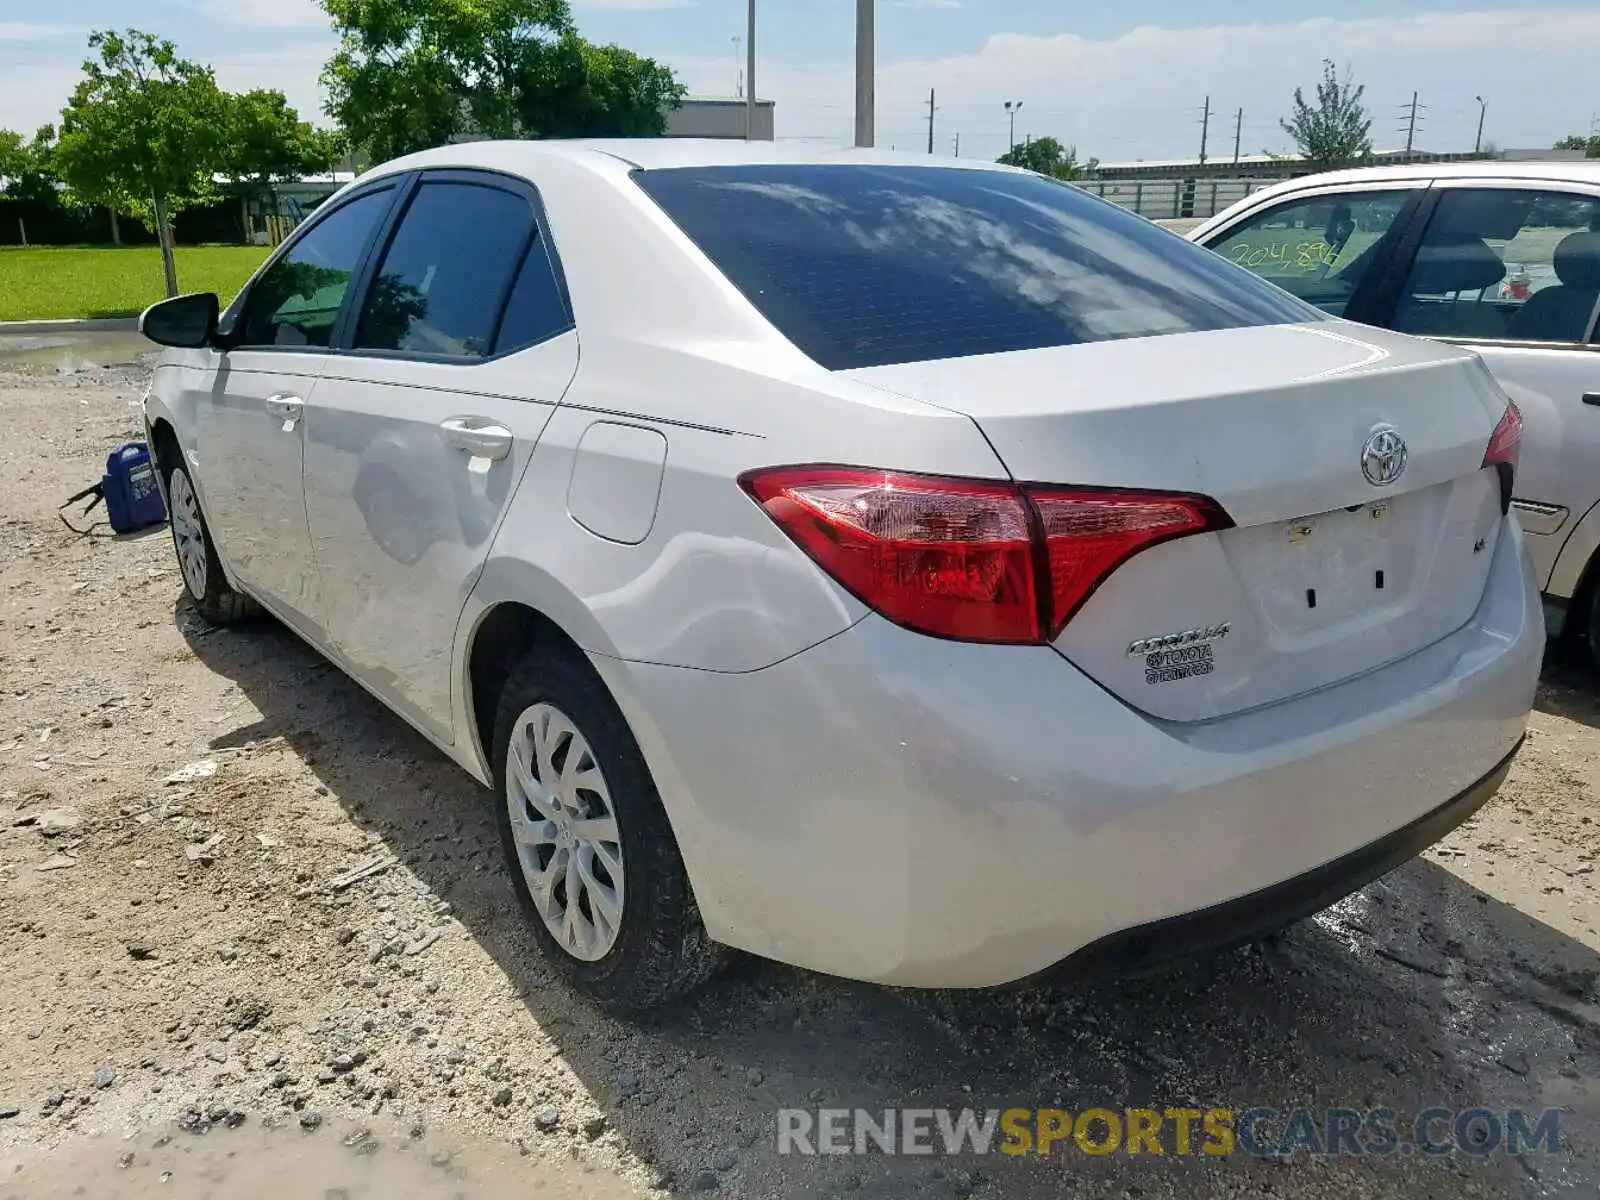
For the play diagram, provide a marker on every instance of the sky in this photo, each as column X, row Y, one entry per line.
column 1121, row 82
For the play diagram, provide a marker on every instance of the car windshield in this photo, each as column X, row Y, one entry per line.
column 865, row 266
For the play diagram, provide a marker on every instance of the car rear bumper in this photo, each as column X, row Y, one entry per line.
column 1149, row 947
column 895, row 808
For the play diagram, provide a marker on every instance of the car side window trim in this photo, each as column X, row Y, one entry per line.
column 1383, row 299
column 230, row 320
column 537, row 241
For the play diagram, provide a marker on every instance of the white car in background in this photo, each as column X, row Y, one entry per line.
column 913, row 570
column 1500, row 257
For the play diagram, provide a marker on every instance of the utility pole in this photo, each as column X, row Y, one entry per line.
column 931, row 111
column 866, row 67
column 750, row 76
column 958, row 145
column 1483, row 111
column 1205, row 128
column 1012, row 107
column 1411, row 126
column 1238, row 134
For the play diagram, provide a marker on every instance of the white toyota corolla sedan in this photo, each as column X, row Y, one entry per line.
column 914, row 570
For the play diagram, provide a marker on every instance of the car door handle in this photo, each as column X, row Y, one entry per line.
column 285, row 407
column 477, row 437
column 1591, row 398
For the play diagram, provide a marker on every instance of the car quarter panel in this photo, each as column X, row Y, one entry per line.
column 670, row 349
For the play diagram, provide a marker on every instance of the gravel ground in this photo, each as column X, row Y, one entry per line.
column 235, row 888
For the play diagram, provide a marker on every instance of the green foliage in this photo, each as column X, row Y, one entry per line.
column 267, row 142
column 39, row 283
column 574, row 88
column 410, row 74
column 27, row 168
column 144, row 128
column 1047, row 156
column 1589, row 145
column 1336, row 129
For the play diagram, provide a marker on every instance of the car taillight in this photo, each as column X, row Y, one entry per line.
column 1505, row 444
column 971, row 560
column 1089, row 534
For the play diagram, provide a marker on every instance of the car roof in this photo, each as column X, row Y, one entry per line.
column 655, row 154
column 1543, row 170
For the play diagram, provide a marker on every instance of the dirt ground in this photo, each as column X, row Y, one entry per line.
column 189, row 950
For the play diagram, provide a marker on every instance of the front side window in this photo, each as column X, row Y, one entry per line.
column 443, row 279
column 1505, row 264
column 1322, row 249
column 863, row 266
column 296, row 301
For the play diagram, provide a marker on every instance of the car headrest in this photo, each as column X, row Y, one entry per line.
column 1577, row 261
column 1464, row 265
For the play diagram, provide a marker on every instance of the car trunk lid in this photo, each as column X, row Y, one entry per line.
column 1325, row 574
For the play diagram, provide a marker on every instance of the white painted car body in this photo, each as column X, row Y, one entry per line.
column 847, row 794
column 1555, row 384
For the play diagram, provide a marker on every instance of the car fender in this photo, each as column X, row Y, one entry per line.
column 508, row 580
column 1573, row 560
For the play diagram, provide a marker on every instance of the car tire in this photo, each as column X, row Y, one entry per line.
column 202, row 573
column 617, row 918
column 1584, row 632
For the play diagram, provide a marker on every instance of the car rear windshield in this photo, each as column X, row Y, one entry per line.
column 863, row 266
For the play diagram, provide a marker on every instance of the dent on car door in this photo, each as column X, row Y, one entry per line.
column 251, row 420
column 1330, row 249
column 424, row 423
column 1513, row 271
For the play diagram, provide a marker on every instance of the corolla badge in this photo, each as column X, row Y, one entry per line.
column 1383, row 458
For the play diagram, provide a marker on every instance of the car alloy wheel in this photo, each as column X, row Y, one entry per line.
column 565, row 829
column 188, row 534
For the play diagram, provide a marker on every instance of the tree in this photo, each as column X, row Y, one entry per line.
column 1049, row 157
column 1336, row 129
column 410, row 74
column 142, row 133
column 577, row 89
column 1589, row 145
column 267, row 143
column 27, row 170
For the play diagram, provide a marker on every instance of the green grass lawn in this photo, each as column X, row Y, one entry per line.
column 40, row 283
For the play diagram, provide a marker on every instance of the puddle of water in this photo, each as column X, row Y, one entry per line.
column 335, row 1162
column 67, row 353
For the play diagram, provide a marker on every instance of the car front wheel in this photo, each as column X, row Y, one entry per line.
column 591, row 854
column 197, row 558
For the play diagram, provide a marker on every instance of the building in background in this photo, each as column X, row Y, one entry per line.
column 718, row 117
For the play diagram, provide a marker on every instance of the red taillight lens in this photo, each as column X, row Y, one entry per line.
column 946, row 557
column 1506, row 441
column 1089, row 534
column 1505, row 444
column 969, row 559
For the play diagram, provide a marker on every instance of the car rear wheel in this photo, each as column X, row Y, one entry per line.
column 197, row 558
column 588, row 845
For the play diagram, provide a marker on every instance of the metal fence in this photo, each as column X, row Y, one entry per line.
column 1174, row 198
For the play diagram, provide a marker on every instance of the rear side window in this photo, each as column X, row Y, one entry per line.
column 444, row 276
column 863, row 266
column 537, row 309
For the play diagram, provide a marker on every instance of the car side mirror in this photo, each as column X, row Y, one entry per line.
column 188, row 322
